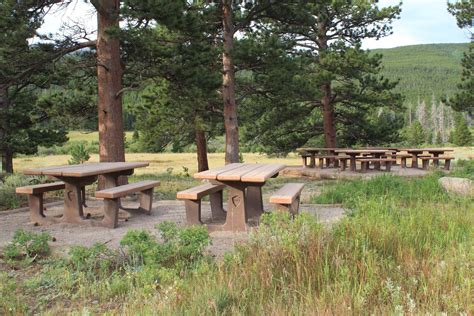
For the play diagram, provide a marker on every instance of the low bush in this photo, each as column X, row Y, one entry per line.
column 8, row 198
column 27, row 245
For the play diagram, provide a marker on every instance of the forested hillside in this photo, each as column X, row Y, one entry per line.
column 424, row 70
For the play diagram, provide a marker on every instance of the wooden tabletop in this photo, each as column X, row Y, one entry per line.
column 420, row 150
column 85, row 170
column 256, row 173
column 362, row 151
column 316, row 149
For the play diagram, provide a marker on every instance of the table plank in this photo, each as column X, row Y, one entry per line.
column 263, row 173
column 213, row 173
column 237, row 173
column 85, row 170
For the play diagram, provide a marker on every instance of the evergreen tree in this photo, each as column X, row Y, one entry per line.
column 24, row 70
column 462, row 135
column 415, row 135
column 464, row 99
column 330, row 32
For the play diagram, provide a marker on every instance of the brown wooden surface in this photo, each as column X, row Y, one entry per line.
column 198, row 192
column 287, row 194
column 239, row 172
column 430, row 150
column 367, row 159
column 123, row 190
column 362, row 151
column 85, row 170
column 40, row 188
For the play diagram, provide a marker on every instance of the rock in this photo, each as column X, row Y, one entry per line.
column 460, row 186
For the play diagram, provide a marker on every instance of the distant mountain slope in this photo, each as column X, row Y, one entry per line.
column 424, row 70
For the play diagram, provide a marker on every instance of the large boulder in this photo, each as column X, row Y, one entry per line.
column 460, row 186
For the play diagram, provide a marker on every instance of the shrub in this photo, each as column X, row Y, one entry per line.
column 27, row 244
column 79, row 153
column 8, row 198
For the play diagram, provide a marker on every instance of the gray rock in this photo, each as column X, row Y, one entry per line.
column 460, row 186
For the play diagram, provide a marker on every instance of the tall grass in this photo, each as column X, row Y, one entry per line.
column 407, row 248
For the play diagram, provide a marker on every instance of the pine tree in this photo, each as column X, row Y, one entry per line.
column 462, row 135
column 415, row 134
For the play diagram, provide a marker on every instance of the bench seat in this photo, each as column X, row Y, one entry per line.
column 35, row 199
column 366, row 161
column 192, row 200
column 112, row 197
column 287, row 198
column 426, row 161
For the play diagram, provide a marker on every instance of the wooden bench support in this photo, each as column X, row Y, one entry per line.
column 287, row 198
column 192, row 201
column 35, row 200
column 426, row 161
column 366, row 161
column 112, row 200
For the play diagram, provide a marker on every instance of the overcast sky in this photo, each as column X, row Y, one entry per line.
column 421, row 22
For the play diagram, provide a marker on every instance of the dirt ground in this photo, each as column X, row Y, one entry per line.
column 66, row 235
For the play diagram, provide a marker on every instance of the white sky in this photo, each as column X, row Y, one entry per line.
column 421, row 22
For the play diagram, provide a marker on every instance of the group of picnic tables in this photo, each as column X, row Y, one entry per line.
column 243, row 181
column 338, row 157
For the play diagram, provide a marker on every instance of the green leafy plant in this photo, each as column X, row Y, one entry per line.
column 79, row 154
column 27, row 244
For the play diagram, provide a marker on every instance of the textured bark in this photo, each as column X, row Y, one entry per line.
column 325, row 88
column 109, row 77
column 7, row 160
column 5, row 151
column 328, row 117
column 228, row 88
column 201, row 145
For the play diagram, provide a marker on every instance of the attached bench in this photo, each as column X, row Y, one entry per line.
column 35, row 198
column 366, row 161
column 287, row 198
column 342, row 162
column 112, row 199
column 192, row 201
column 403, row 159
column 328, row 158
column 426, row 161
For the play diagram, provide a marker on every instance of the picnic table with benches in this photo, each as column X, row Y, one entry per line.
column 74, row 178
column 244, row 182
column 372, row 155
column 435, row 153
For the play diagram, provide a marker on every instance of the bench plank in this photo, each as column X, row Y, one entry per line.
column 196, row 193
column 287, row 194
column 123, row 190
column 40, row 188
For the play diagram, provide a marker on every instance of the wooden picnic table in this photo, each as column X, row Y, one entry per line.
column 313, row 151
column 415, row 152
column 245, row 183
column 352, row 153
column 77, row 176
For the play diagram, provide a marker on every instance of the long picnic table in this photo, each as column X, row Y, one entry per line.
column 353, row 153
column 416, row 152
column 245, row 183
column 313, row 151
column 77, row 176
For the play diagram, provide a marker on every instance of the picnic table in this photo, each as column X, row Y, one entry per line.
column 353, row 153
column 245, row 183
column 77, row 176
column 416, row 152
column 313, row 151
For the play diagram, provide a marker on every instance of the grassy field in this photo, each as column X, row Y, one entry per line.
column 406, row 247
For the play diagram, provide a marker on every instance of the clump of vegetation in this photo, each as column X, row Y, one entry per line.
column 27, row 245
column 8, row 198
column 79, row 154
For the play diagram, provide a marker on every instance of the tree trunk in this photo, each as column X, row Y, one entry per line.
column 5, row 151
column 7, row 160
column 228, row 88
column 201, row 145
column 325, row 88
column 109, row 81
column 328, row 117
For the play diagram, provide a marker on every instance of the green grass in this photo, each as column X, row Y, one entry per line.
column 406, row 248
